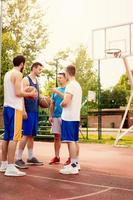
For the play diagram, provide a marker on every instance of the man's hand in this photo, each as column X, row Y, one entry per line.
column 24, row 114
column 54, row 90
column 30, row 92
column 51, row 120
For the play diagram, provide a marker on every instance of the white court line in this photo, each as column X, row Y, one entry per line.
column 97, row 173
column 82, row 183
column 87, row 195
column 103, row 174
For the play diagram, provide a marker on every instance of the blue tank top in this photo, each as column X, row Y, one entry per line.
column 32, row 105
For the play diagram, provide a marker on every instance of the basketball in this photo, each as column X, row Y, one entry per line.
column 30, row 89
column 44, row 102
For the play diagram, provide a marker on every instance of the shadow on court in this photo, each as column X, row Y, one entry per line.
column 106, row 174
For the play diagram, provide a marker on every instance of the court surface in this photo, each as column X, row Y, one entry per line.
column 106, row 174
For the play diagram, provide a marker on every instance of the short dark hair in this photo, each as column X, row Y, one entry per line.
column 71, row 70
column 62, row 73
column 35, row 65
column 18, row 60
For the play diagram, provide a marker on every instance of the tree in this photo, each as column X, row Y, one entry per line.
column 23, row 32
column 86, row 75
column 9, row 48
column 24, row 21
column 123, row 84
column 56, row 64
column 113, row 98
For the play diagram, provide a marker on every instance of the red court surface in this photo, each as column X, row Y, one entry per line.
column 106, row 174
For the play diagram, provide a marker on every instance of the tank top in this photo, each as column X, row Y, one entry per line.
column 10, row 98
column 32, row 105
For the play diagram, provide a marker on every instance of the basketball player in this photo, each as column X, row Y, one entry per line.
column 12, row 114
column 71, row 105
column 30, row 123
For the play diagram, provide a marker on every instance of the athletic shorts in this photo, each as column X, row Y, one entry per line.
column 69, row 131
column 56, row 126
column 12, row 124
column 30, row 125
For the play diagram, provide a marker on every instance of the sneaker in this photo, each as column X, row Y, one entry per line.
column 69, row 170
column 78, row 166
column 34, row 161
column 68, row 161
column 54, row 160
column 14, row 172
column 20, row 164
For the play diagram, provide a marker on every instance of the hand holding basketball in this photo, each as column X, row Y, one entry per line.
column 44, row 102
column 32, row 92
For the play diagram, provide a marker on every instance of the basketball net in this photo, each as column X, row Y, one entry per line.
column 113, row 53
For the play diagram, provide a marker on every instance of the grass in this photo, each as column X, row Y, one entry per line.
column 107, row 139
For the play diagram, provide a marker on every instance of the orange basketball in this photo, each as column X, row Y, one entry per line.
column 44, row 102
column 30, row 89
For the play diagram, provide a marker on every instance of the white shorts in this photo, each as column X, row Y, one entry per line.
column 56, row 126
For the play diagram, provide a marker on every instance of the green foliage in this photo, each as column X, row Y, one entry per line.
column 86, row 75
column 46, row 91
column 56, row 64
column 123, row 84
column 54, row 67
column 23, row 20
column 23, row 32
column 9, row 48
column 113, row 99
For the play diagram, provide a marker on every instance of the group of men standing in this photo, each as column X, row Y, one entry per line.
column 21, row 112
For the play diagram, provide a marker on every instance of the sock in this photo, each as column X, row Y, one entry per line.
column 73, row 162
column 30, row 154
column 77, row 160
column 19, row 155
column 4, row 163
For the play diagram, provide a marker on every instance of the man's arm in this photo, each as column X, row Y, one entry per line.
column 51, row 110
column 19, row 91
column 67, row 99
column 61, row 94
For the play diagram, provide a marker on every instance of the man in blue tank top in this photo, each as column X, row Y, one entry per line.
column 30, row 122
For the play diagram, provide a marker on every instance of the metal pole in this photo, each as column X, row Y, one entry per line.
column 0, row 36
column 99, row 105
column 56, row 73
column 87, row 120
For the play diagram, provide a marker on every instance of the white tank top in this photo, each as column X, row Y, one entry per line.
column 10, row 99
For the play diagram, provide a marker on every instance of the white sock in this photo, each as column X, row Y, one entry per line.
column 4, row 163
column 30, row 154
column 77, row 160
column 73, row 160
column 19, row 155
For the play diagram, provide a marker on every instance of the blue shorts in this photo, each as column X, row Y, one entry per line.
column 12, row 124
column 30, row 125
column 69, row 131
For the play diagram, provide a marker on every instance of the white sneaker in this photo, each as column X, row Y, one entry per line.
column 78, row 166
column 14, row 172
column 3, row 168
column 69, row 170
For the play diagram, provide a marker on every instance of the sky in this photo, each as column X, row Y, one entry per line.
column 70, row 23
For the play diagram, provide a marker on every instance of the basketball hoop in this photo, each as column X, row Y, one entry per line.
column 116, row 53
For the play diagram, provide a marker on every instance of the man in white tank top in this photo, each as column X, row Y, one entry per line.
column 12, row 114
